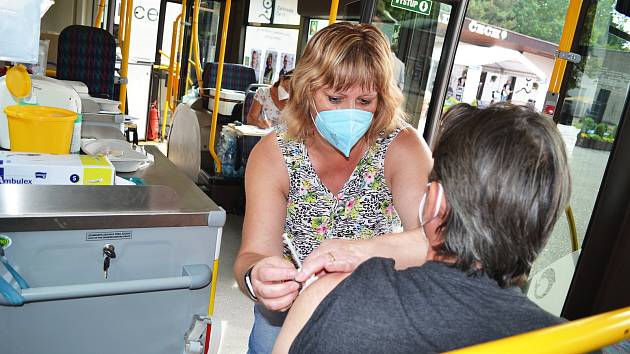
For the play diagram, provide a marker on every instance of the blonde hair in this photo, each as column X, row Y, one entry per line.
column 340, row 56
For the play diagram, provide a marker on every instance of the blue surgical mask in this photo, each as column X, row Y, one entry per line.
column 343, row 128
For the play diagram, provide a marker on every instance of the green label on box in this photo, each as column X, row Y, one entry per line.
column 419, row 6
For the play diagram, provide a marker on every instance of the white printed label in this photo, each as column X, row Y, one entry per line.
column 108, row 235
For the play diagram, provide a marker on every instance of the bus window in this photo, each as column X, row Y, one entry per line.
column 595, row 92
column 416, row 36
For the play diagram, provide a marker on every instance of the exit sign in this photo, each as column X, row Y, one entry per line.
column 420, row 6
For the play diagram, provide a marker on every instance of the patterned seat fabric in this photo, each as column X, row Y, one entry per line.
column 235, row 77
column 88, row 54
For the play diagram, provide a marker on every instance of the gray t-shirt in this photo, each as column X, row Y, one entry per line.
column 427, row 309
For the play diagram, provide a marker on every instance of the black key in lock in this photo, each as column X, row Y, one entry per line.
column 108, row 254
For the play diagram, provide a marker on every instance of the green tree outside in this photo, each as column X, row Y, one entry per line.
column 544, row 19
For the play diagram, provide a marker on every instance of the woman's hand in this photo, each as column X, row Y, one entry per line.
column 273, row 283
column 335, row 256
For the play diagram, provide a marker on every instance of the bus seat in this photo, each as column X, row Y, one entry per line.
column 87, row 54
column 235, row 77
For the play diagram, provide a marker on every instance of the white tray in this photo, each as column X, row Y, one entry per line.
column 121, row 153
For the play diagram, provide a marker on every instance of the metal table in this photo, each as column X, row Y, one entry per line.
column 166, row 235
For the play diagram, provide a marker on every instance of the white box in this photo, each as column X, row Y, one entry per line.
column 19, row 27
column 227, row 100
column 72, row 169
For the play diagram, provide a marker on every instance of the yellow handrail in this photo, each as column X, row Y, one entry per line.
column 213, row 130
column 194, row 48
column 124, row 65
column 171, row 74
column 568, row 32
column 121, row 22
column 332, row 18
column 215, row 109
column 172, row 86
column 164, row 54
column 99, row 15
column 180, row 43
column 575, row 243
column 559, row 67
column 580, row 336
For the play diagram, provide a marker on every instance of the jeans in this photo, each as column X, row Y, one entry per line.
column 266, row 328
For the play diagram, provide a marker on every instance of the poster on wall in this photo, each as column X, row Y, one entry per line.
column 260, row 11
column 279, row 12
column 314, row 25
column 254, row 62
column 269, row 60
column 285, row 13
column 286, row 64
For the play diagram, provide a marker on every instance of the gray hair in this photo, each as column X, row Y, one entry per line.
column 505, row 174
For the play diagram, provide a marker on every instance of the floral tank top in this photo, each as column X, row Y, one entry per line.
column 362, row 209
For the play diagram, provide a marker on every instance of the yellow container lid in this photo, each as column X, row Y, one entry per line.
column 40, row 113
column 18, row 81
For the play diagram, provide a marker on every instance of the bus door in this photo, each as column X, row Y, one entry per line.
column 423, row 36
column 595, row 102
column 169, row 45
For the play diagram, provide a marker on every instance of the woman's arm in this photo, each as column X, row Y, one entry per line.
column 254, row 116
column 407, row 165
column 266, row 186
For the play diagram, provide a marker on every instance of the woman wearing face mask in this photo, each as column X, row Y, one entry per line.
column 336, row 182
column 269, row 102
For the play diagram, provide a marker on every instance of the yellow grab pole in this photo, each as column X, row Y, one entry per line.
column 194, row 47
column 215, row 109
column 559, row 67
column 580, row 336
column 124, row 65
column 171, row 73
column 164, row 54
column 568, row 32
column 121, row 22
column 99, row 15
column 215, row 271
column 196, row 40
column 180, row 44
column 190, row 64
column 575, row 243
column 332, row 18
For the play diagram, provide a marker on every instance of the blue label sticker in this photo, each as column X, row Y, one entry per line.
column 74, row 178
column 40, row 175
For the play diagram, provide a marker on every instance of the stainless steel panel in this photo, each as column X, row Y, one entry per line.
column 168, row 198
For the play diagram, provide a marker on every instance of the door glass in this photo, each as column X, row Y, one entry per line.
column 416, row 35
column 595, row 96
column 209, row 14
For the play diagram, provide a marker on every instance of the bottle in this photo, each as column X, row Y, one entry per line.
column 227, row 164
column 227, row 151
column 221, row 148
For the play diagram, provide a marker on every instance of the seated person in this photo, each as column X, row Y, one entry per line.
column 499, row 182
column 268, row 104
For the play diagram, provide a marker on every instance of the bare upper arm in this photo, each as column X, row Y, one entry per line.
column 303, row 308
column 266, row 188
column 408, row 163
